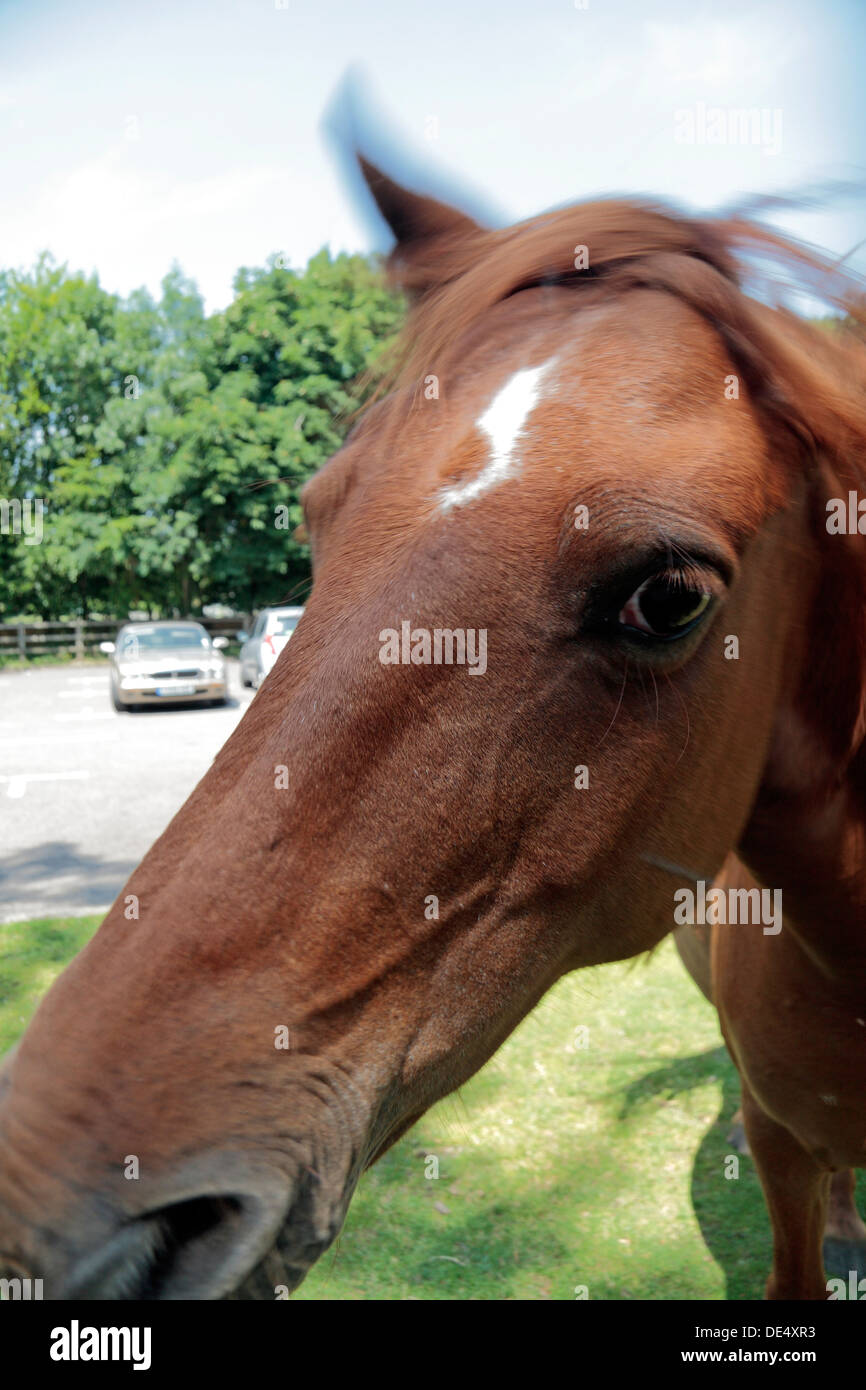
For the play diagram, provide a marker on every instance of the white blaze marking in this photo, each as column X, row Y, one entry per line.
column 503, row 422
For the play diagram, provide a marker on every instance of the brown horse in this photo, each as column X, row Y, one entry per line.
column 577, row 620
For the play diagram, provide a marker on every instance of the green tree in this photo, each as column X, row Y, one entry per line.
column 266, row 408
column 163, row 442
column 63, row 348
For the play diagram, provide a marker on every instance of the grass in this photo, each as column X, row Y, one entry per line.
column 560, row 1165
column 32, row 954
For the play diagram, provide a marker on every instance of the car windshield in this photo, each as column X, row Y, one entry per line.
column 154, row 639
column 283, row 623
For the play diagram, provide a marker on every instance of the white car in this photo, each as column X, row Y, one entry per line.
column 261, row 647
column 166, row 662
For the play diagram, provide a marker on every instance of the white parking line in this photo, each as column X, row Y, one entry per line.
column 17, row 782
column 11, row 745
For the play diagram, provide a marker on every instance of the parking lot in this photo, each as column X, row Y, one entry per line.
column 85, row 791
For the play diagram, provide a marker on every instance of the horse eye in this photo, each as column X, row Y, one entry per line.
column 666, row 606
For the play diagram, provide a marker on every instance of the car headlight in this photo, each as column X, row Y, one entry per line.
column 215, row 669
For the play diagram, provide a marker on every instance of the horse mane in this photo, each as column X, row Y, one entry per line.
column 812, row 379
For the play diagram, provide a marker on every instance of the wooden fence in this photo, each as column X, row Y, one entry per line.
column 20, row 641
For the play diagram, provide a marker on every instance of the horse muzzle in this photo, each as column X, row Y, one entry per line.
column 201, row 1243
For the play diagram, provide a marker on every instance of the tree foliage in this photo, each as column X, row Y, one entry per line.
column 169, row 447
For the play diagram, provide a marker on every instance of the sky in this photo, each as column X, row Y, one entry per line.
column 136, row 135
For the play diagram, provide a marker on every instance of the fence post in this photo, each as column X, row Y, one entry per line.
column 79, row 639
column 22, row 640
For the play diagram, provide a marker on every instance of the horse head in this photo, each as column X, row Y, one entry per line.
column 570, row 605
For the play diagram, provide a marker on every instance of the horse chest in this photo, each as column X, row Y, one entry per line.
column 804, row 1060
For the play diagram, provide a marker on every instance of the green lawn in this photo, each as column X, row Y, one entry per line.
column 560, row 1165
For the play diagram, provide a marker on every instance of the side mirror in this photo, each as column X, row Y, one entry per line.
column 220, row 642
column 107, row 647
column 243, row 635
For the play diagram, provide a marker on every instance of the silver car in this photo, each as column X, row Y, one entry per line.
column 162, row 663
column 261, row 647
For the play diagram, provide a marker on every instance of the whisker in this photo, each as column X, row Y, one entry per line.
column 618, row 705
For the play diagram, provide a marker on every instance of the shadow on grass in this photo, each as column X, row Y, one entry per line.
column 725, row 1191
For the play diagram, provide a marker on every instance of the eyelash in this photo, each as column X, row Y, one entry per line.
column 683, row 580
column 603, row 612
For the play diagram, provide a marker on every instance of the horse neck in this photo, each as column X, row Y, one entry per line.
column 814, row 850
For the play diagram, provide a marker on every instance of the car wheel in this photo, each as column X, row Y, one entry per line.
column 116, row 701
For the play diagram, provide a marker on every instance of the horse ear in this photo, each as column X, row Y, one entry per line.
column 428, row 232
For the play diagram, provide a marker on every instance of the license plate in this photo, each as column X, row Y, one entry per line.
column 175, row 690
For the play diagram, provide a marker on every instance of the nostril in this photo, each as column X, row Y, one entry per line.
column 196, row 1248
column 186, row 1233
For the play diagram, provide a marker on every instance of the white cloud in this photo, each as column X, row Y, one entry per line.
column 717, row 51
column 132, row 223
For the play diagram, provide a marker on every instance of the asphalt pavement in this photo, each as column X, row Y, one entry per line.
column 84, row 790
